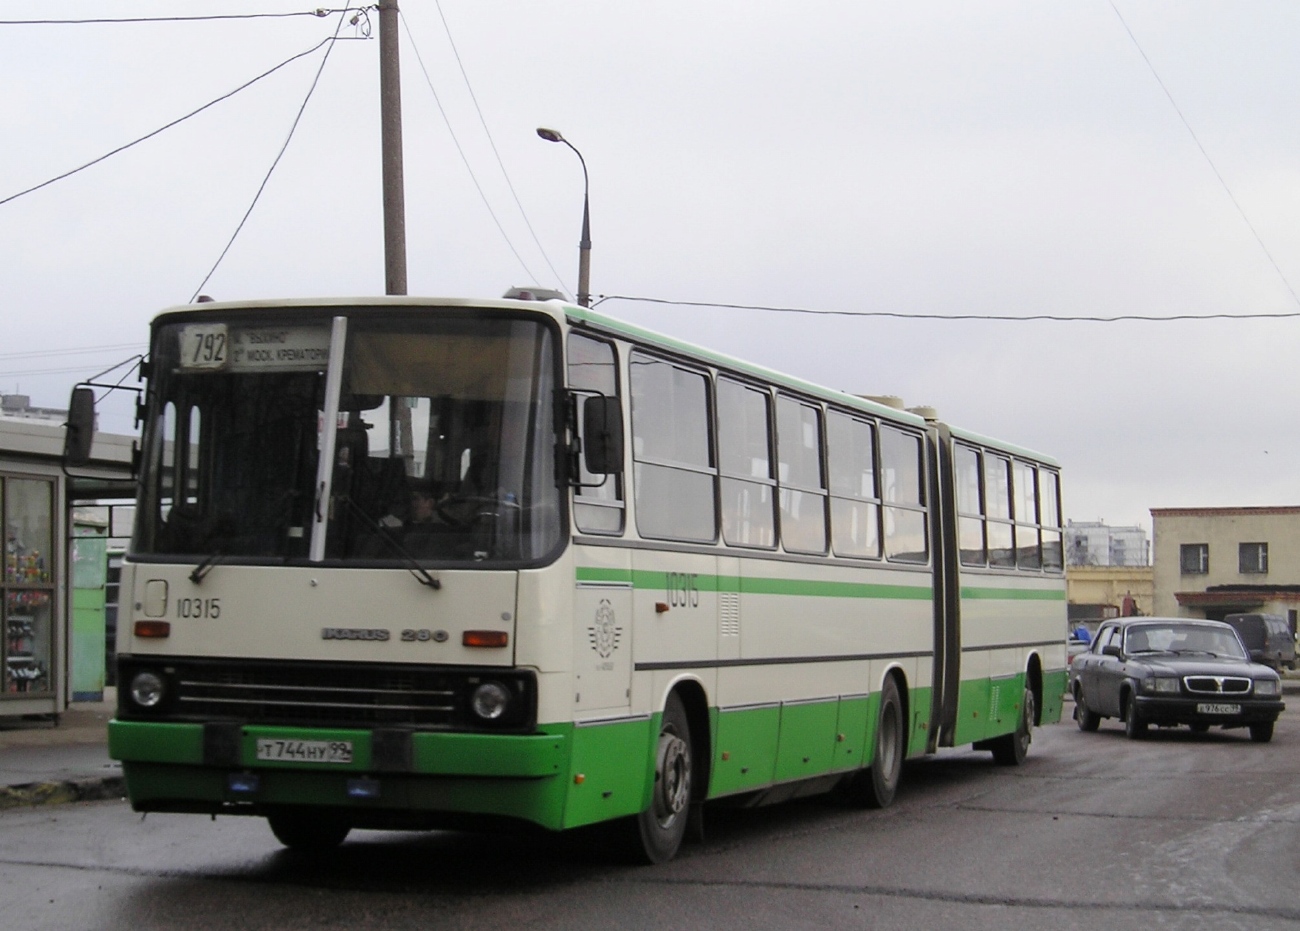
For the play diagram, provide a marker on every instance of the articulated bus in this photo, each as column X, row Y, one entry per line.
column 403, row 563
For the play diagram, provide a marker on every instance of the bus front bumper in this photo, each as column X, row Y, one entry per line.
column 385, row 777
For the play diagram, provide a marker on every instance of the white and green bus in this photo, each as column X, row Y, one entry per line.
column 404, row 563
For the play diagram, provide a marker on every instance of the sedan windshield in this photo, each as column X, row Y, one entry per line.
column 443, row 452
column 1183, row 639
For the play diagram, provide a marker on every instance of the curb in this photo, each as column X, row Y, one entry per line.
column 90, row 789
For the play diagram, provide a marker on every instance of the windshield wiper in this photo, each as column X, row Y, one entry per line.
column 412, row 565
column 204, row 567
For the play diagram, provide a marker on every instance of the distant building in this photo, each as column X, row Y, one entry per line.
column 1093, row 543
column 19, row 407
column 1215, row 561
column 1095, row 593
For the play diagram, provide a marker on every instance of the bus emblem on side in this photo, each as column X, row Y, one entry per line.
column 604, row 634
column 353, row 633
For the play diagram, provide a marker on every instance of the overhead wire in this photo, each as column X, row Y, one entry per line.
column 1210, row 161
column 900, row 315
column 492, row 142
column 329, row 43
column 319, row 13
column 167, row 126
column 460, row 149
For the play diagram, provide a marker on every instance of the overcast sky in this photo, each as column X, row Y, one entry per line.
column 917, row 158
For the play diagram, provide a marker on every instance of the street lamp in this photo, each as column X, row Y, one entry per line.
column 584, row 246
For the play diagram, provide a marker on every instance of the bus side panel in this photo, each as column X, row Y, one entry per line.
column 850, row 749
column 973, row 698
column 745, row 749
column 807, row 739
column 611, row 770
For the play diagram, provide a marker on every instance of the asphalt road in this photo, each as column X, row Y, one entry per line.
column 1094, row 831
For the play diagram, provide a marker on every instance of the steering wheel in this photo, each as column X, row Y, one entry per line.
column 464, row 511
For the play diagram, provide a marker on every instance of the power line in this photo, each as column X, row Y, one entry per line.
column 492, row 142
column 1214, row 168
column 320, row 13
column 262, row 187
column 1004, row 318
column 50, row 353
column 463, row 157
column 175, row 122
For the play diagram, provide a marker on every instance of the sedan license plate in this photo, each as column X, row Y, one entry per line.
column 1205, row 708
column 304, row 751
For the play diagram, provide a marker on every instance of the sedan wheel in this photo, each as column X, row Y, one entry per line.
column 1085, row 717
column 1261, row 732
column 1200, row 727
column 1134, row 727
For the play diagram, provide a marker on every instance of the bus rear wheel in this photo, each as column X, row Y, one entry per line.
column 308, row 830
column 655, row 835
column 1011, row 749
column 876, row 786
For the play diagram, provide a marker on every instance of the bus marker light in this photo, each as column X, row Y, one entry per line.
column 363, row 788
column 243, row 783
column 726, row 755
column 661, row 607
column 153, row 629
column 485, row 638
column 579, row 779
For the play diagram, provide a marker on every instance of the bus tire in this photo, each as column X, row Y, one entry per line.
column 308, row 830
column 656, row 833
column 1011, row 749
column 876, row 786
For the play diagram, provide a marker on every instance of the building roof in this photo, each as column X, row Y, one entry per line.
column 1268, row 511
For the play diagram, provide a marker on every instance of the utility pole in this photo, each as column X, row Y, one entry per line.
column 390, row 131
column 390, row 117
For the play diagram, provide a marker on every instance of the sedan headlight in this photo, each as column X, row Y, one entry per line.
column 1162, row 685
column 1268, row 687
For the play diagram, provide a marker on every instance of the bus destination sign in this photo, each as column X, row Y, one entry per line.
column 219, row 347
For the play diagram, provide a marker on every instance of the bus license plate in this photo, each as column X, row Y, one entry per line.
column 304, row 751
column 1218, row 709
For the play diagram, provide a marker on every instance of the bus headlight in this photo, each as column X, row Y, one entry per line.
column 147, row 689
column 490, row 701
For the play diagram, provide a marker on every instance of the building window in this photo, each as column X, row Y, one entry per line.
column 1194, row 558
column 1252, row 558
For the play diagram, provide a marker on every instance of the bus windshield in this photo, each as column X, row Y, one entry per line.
column 443, row 443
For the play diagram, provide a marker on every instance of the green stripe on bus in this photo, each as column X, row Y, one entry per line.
column 658, row 581
column 1013, row 594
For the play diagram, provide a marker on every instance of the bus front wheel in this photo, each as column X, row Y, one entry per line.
column 655, row 835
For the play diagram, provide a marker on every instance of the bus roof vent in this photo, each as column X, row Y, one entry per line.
column 889, row 400
column 925, row 411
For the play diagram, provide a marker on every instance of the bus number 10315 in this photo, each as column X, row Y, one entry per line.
column 198, row 607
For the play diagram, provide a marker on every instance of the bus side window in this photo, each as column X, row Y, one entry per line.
column 672, row 459
column 598, row 501
column 997, row 503
column 901, row 472
column 970, row 506
column 855, row 500
column 745, row 461
column 1049, row 509
column 1028, row 554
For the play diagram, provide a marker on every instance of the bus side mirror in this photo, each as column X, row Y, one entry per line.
column 602, row 433
column 80, row 428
